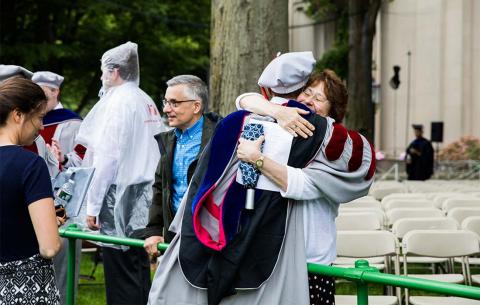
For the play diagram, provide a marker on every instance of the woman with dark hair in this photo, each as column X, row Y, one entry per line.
column 325, row 94
column 28, row 225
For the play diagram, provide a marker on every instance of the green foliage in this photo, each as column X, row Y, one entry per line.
column 335, row 58
column 320, row 9
column 69, row 38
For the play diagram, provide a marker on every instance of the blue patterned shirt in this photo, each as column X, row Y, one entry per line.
column 186, row 149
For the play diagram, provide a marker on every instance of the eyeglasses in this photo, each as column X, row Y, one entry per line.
column 174, row 103
column 317, row 97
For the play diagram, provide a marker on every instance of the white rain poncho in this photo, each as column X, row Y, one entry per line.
column 119, row 136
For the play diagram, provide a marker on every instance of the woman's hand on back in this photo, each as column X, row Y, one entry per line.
column 290, row 118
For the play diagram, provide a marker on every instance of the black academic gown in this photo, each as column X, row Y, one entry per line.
column 420, row 166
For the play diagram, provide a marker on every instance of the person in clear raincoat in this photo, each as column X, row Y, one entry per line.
column 119, row 136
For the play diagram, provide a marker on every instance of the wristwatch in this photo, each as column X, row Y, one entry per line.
column 259, row 162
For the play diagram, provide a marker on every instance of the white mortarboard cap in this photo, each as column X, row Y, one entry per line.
column 7, row 71
column 288, row 72
column 47, row 78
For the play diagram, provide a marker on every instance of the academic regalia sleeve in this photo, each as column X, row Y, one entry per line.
column 341, row 170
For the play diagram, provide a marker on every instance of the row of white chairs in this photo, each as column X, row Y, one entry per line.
column 442, row 244
column 441, row 205
column 403, row 226
column 443, row 201
column 396, row 206
column 375, row 219
column 381, row 189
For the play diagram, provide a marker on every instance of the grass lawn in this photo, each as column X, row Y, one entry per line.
column 91, row 291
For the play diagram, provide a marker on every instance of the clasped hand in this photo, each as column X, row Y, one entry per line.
column 56, row 151
column 290, row 118
column 249, row 151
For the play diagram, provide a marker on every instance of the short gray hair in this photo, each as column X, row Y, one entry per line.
column 196, row 88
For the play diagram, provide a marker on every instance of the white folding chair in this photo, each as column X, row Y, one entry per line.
column 439, row 243
column 398, row 213
column 423, row 187
column 362, row 204
column 366, row 245
column 459, row 214
column 380, row 190
column 464, row 202
column 363, row 199
column 440, row 198
column 402, row 196
column 405, row 225
column 407, row 203
column 472, row 224
column 377, row 211
column 358, row 221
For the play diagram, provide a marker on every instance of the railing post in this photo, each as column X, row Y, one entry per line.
column 362, row 287
column 71, row 265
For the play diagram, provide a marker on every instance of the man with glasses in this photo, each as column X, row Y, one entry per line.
column 184, row 105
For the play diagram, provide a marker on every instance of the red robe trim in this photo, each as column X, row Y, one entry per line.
column 357, row 151
column 336, row 144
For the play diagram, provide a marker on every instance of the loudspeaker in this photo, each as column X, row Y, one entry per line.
column 437, row 132
column 395, row 80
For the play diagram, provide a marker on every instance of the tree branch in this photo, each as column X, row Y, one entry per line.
column 90, row 92
column 372, row 15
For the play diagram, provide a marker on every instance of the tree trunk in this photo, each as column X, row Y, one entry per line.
column 361, row 29
column 245, row 37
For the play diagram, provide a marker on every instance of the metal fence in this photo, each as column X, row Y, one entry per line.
column 362, row 274
column 390, row 169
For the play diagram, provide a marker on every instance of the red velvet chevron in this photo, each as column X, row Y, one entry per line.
column 373, row 162
column 336, row 145
column 357, row 151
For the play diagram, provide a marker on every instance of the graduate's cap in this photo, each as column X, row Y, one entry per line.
column 417, row 126
column 47, row 78
column 288, row 72
column 7, row 71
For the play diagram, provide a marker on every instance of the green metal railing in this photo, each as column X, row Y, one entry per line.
column 362, row 274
